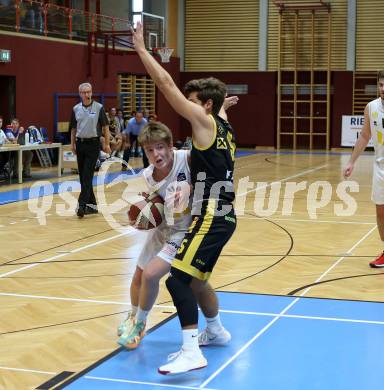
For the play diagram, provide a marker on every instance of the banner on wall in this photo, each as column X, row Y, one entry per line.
column 350, row 129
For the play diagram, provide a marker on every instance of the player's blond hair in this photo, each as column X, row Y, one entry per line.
column 155, row 132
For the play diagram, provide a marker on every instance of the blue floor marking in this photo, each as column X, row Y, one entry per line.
column 369, row 311
column 292, row 354
column 24, row 193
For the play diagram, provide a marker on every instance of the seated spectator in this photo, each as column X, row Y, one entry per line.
column 121, row 119
column 145, row 113
column 3, row 137
column 116, row 139
column 16, row 135
column 4, row 157
column 35, row 137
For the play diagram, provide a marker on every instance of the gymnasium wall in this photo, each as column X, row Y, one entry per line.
column 369, row 39
column 221, row 34
column 339, row 19
column 45, row 66
column 254, row 117
column 341, row 103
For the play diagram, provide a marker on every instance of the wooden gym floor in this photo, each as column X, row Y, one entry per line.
column 65, row 283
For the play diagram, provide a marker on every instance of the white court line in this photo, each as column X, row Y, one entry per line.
column 285, row 179
column 141, row 383
column 254, row 313
column 305, row 220
column 63, row 299
column 341, row 319
column 254, row 338
column 339, row 261
column 27, row 370
column 129, row 232
column 51, row 298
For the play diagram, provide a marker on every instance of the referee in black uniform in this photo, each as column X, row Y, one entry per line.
column 88, row 123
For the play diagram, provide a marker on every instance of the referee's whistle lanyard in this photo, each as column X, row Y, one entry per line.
column 88, row 109
column 90, row 116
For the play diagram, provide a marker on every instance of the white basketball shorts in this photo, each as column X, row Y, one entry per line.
column 378, row 183
column 162, row 242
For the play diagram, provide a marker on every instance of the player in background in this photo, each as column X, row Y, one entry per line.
column 373, row 127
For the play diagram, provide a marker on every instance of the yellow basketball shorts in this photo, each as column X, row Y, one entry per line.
column 203, row 243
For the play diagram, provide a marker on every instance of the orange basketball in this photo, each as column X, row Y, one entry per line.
column 147, row 212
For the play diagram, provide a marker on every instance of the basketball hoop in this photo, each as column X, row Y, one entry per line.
column 164, row 52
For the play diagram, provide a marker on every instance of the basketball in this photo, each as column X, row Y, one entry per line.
column 147, row 212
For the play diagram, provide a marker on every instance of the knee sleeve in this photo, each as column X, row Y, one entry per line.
column 183, row 298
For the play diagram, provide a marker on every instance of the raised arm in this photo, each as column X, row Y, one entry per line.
column 360, row 145
column 194, row 113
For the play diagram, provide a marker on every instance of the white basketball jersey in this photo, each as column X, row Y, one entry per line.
column 376, row 118
column 177, row 217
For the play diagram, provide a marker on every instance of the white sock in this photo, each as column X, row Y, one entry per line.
column 133, row 310
column 190, row 339
column 214, row 324
column 141, row 315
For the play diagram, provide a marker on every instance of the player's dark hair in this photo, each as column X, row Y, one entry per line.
column 209, row 88
column 380, row 75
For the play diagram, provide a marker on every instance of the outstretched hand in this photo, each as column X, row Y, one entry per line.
column 138, row 38
column 230, row 101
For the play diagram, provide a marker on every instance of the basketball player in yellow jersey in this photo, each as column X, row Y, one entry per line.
column 373, row 127
column 214, row 221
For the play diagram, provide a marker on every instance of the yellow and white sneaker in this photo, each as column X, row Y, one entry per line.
column 206, row 337
column 183, row 361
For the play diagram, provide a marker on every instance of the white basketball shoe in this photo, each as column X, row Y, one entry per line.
column 207, row 337
column 183, row 361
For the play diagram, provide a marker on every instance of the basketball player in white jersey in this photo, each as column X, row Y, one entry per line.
column 373, row 127
column 168, row 175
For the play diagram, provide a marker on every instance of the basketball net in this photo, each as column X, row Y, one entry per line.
column 165, row 53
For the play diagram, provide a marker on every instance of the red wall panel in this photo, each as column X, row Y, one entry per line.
column 43, row 67
column 254, row 117
column 341, row 103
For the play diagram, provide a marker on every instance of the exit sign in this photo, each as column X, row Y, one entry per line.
column 5, row 55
